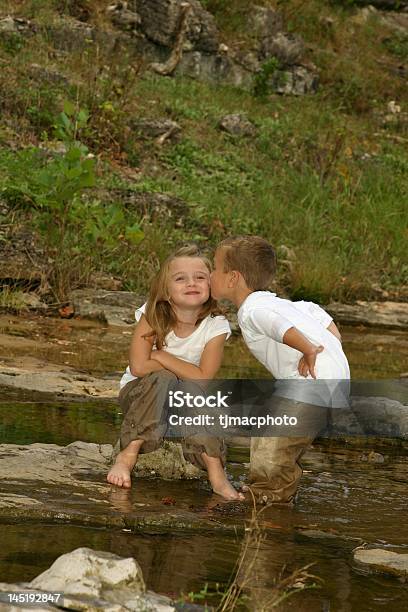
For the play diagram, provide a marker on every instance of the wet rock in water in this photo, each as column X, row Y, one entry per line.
column 57, row 381
column 112, row 307
column 52, row 463
column 88, row 572
column 381, row 416
column 378, row 560
column 93, row 580
column 237, row 125
column 373, row 314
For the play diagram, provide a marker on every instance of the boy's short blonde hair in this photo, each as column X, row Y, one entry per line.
column 253, row 257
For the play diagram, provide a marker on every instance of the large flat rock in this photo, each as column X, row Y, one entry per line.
column 393, row 315
column 378, row 560
column 51, row 483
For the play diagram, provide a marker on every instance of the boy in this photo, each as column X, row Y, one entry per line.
column 293, row 340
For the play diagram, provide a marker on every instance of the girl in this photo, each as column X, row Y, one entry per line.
column 177, row 336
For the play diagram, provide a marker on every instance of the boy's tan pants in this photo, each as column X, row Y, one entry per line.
column 275, row 470
column 144, row 406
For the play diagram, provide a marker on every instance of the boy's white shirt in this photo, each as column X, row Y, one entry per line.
column 191, row 348
column 264, row 318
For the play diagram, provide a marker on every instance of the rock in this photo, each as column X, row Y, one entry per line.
column 380, row 416
column 373, row 314
column 287, row 48
column 214, row 68
column 237, row 125
column 32, row 301
column 52, row 463
column 113, row 307
column 378, row 560
column 167, row 462
column 105, row 282
column 296, row 81
column 93, row 580
column 159, row 128
column 57, row 382
column 396, row 21
column 391, row 5
column 68, row 484
column 47, row 75
column 16, row 25
column 160, row 22
column 265, row 22
column 372, row 457
column 91, row 573
column 122, row 17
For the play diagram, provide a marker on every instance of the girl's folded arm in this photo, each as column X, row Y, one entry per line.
column 140, row 362
column 210, row 361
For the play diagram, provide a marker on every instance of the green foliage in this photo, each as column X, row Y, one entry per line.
column 397, row 45
column 54, row 186
column 261, row 86
column 12, row 43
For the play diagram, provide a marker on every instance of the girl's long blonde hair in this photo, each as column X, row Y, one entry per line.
column 159, row 311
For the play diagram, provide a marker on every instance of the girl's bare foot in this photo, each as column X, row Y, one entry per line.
column 119, row 474
column 219, row 481
column 228, row 492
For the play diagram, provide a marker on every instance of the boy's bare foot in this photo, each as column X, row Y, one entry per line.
column 119, row 474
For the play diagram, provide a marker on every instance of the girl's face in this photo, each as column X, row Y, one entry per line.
column 188, row 282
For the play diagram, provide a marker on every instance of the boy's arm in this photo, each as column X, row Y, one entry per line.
column 210, row 361
column 295, row 339
column 140, row 362
column 323, row 317
column 334, row 330
column 281, row 330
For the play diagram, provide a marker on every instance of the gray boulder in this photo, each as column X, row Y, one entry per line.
column 113, row 307
column 93, row 580
column 160, row 20
column 237, row 125
column 380, row 561
column 287, row 48
column 295, row 81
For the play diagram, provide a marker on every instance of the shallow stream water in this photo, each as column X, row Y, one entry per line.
column 344, row 500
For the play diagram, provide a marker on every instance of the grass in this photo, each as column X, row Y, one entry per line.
column 323, row 177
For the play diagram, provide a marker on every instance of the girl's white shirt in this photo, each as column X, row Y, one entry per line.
column 191, row 348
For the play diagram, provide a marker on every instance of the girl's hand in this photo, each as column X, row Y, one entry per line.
column 307, row 362
column 155, row 355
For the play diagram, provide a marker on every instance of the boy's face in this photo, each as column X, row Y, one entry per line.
column 220, row 280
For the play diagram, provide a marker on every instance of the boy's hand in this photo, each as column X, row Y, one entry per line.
column 307, row 362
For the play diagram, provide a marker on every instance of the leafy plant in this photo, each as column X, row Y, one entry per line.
column 54, row 186
column 261, row 85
